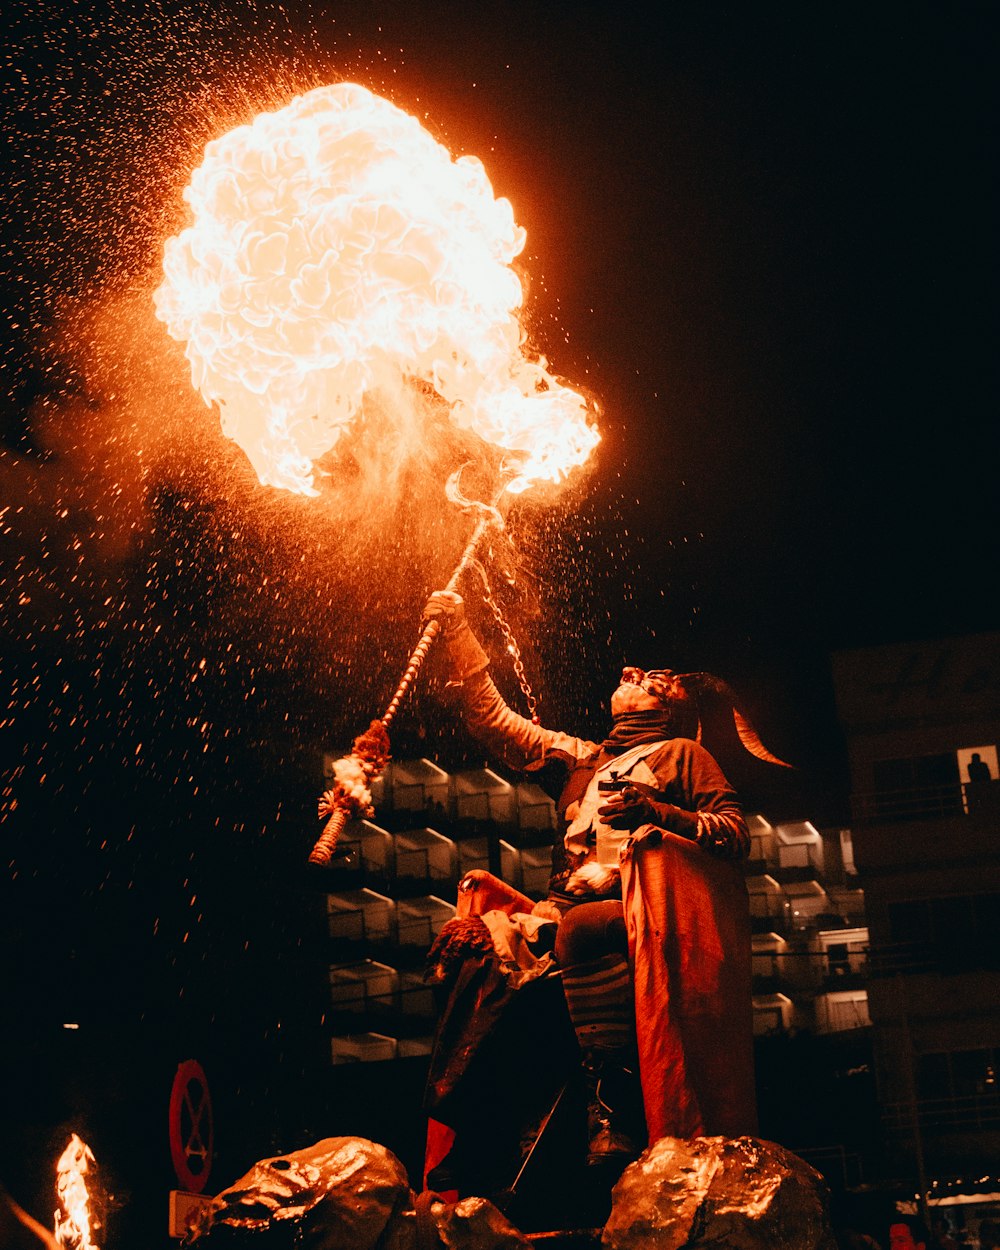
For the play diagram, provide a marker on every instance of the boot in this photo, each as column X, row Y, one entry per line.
column 615, row 1122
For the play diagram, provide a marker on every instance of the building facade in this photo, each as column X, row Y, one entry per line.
column 923, row 726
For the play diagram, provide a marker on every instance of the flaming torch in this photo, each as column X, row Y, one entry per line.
column 350, row 796
column 338, row 252
column 73, row 1216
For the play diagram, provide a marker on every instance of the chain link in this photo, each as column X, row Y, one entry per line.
column 513, row 650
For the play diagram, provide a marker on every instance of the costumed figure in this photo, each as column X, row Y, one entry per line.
column 646, row 918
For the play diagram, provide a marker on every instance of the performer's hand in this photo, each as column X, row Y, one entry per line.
column 446, row 607
column 634, row 805
column 637, row 804
column 592, row 878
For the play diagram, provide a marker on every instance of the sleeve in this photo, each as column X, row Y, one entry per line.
column 513, row 739
column 707, row 810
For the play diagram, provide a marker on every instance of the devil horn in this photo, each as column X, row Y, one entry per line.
column 751, row 740
column 748, row 736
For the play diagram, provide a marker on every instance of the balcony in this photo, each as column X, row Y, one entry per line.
column 794, row 874
column 416, row 786
column 361, row 922
column 844, row 955
column 936, row 802
column 365, row 856
column 842, row 1009
column 425, row 859
column 976, row 1113
column 536, row 813
column 370, row 997
column 770, row 963
column 483, row 797
column 772, row 1013
column 376, row 1048
column 890, row 959
column 364, row 996
column 363, row 1048
column 420, row 920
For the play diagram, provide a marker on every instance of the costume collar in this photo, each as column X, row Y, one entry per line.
column 633, row 729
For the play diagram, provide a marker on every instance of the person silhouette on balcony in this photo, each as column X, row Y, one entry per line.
column 980, row 785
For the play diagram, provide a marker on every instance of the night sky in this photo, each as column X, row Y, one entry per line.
column 762, row 236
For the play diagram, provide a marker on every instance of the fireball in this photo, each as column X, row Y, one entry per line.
column 338, row 251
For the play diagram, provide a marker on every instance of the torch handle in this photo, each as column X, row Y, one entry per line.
column 482, row 525
column 419, row 653
column 325, row 845
column 413, row 667
column 327, row 841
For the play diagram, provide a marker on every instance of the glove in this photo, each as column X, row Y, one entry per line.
column 465, row 655
column 638, row 804
column 447, row 608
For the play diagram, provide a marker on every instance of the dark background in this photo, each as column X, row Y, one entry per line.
column 761, row 235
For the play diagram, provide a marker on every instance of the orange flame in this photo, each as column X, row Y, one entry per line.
column 338, row 250
column 73, row 1215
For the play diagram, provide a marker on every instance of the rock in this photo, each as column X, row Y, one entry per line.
column 346, row 1193
column 475, row 1224
column 734, row 1193
column 342, row 1193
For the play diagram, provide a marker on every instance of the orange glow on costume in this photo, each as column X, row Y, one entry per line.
column 338, row 251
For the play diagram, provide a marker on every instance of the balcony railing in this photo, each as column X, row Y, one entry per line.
column 890, row 959
column 834, row 1162
column 927, row 802
column 976, row 1113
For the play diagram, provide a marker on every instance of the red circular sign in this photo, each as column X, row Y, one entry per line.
column 191, row 1126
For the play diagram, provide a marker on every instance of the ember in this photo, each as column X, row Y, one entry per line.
column 73, row 1216
column 338, row 251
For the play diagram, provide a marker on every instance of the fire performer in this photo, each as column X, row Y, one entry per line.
column 648, row 896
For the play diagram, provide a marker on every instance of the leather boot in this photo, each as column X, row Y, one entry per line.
column 615, row 1122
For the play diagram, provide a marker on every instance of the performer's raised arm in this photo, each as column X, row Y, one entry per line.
column 514, row 739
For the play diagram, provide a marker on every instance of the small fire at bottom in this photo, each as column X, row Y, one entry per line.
column 76, row 1223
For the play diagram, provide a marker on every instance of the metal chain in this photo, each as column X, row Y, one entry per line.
column 513, row 650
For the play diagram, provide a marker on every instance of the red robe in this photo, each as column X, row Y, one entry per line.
column 689, row 949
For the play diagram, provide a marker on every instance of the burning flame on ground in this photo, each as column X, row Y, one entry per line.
column 73, row 1215
column 338, row 251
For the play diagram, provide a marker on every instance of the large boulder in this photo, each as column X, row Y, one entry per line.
column 343, row 1190
column 733, row 1193
column 346, row 1193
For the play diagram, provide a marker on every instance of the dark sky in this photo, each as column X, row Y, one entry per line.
column 762, row 235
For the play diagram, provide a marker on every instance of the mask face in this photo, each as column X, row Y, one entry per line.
column 659, row 682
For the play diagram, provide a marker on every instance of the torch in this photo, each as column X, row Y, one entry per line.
column 337, row 251
column 350, row 796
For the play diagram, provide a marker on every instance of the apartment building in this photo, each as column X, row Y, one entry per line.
column 922, row 723
column 395, row 886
